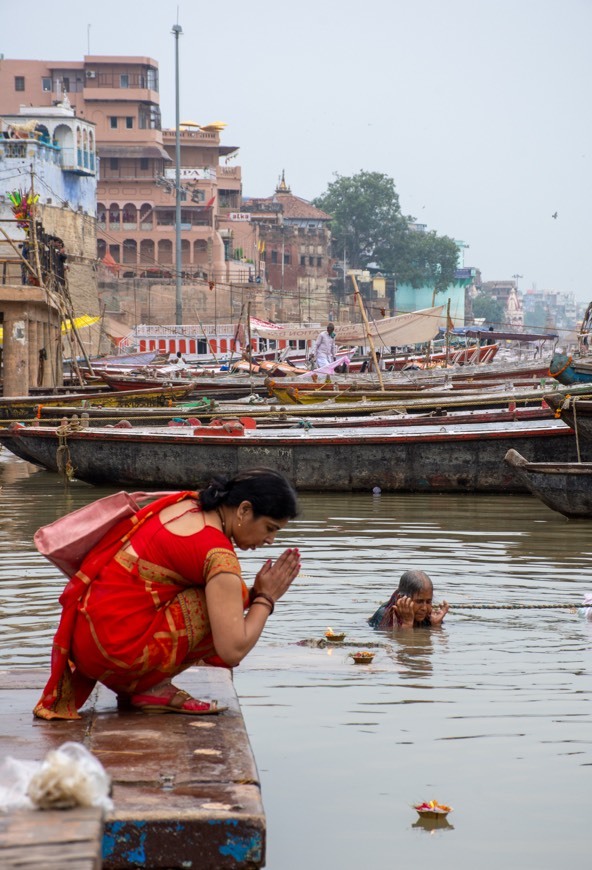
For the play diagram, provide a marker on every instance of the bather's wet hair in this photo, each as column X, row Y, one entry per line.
column 270, row 493
column 412, row 583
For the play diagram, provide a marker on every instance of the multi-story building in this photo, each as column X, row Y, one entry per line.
column 295, row 247
column 136, row 186
column 508, row 295
column 48, row 275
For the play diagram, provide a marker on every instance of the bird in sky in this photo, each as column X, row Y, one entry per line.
column 554, row 216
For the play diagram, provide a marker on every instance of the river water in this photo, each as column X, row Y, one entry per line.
column 491, row 714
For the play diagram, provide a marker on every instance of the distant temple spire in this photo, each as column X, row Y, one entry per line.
column 282, row 187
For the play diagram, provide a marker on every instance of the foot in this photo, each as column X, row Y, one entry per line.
column 175, row 701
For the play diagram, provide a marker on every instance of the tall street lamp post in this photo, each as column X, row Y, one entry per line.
column 177, row 31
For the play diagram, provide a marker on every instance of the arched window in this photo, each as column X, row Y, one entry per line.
column 42, row 134
column 64, row 139
column 147, row 253
column 101, row 248
column 165, row 251
column 115, row 253
column 114, row 216
column 129, row 216
column 101, row 216
column 78, row 147
column 130, row 252
column 91, row 150
column 146, row 216
column 85, row 149
column 200, row 249
column 185, row 252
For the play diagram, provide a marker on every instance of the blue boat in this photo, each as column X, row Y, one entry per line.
column 569, row 370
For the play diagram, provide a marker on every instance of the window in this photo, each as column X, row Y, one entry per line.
column 303, row 261
column 46, row 84
column 319, row 261
column 19, row 83
column 113, row 122
column 124, row 81
column 274, row 256
column 66, row 84
column 152, row 79
column 144, row 163
column 311, row 261
column 114, row 163
column 129, row 123
column 287, row 259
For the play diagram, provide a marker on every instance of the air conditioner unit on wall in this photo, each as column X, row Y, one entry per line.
column 91, row 74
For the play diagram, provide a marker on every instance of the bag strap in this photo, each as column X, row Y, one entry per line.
column 144, row 496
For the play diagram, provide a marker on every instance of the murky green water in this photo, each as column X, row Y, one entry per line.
column 491, row 715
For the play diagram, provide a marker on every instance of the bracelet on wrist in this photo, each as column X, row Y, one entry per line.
column 264, row 598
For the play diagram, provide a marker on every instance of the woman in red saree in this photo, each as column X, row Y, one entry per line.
column 164, row 591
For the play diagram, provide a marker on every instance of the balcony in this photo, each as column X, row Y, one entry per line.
column 70, row 159
column 226, row 172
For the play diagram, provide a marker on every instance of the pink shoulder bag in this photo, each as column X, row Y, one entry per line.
column 68, row 540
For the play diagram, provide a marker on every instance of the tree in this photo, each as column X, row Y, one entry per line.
column 368, row 226
column 423, row 259
column 488, row 308
column 366, row 215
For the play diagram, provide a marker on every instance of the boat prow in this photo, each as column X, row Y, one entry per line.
column 565, row 487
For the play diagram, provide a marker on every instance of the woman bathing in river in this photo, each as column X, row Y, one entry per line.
column 411, row 605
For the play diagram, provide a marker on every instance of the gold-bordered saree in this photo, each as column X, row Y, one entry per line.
column 139, row 625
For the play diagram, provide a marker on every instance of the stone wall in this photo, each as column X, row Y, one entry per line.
column 79, row 234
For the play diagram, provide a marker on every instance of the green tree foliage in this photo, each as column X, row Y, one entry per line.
column 366, row 215
column 367, row 223
column 489, row 309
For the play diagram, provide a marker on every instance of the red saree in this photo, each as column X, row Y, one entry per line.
column 129, row 622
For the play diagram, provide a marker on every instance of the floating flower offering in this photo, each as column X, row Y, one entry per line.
column 432, row 809
column 332, row 637
column 364, row 657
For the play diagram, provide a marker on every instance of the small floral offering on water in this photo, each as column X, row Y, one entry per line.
column 364, row 657
column 432, row 809
column 332, row 637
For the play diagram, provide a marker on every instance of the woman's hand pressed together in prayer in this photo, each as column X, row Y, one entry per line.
column 275, row 578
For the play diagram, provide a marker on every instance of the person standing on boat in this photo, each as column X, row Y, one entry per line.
column 324, row 348
column 164, row 591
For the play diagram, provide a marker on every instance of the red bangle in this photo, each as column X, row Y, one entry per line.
column 267, row 599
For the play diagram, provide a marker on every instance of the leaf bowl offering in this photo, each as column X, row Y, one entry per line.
column 432, row 810
column 332, row 637
column 364, row 657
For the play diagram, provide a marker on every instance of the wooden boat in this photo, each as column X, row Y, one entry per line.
column 305, row 394
column 565, row 487
column 28, row 407
column 576, row 411
column 192, row 413
column 571, row 370
column 439, row 458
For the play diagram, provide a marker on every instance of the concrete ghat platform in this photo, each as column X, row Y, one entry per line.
column 185, row 788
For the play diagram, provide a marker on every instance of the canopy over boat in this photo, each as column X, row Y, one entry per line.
column 413, row 328
column 482, row 332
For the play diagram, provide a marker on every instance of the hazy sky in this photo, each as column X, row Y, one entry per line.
column 478, row 109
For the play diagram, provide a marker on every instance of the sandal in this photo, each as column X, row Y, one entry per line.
column 179, row 702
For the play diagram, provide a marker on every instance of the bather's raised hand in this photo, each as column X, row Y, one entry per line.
column 436, row 616
column 405, row 611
